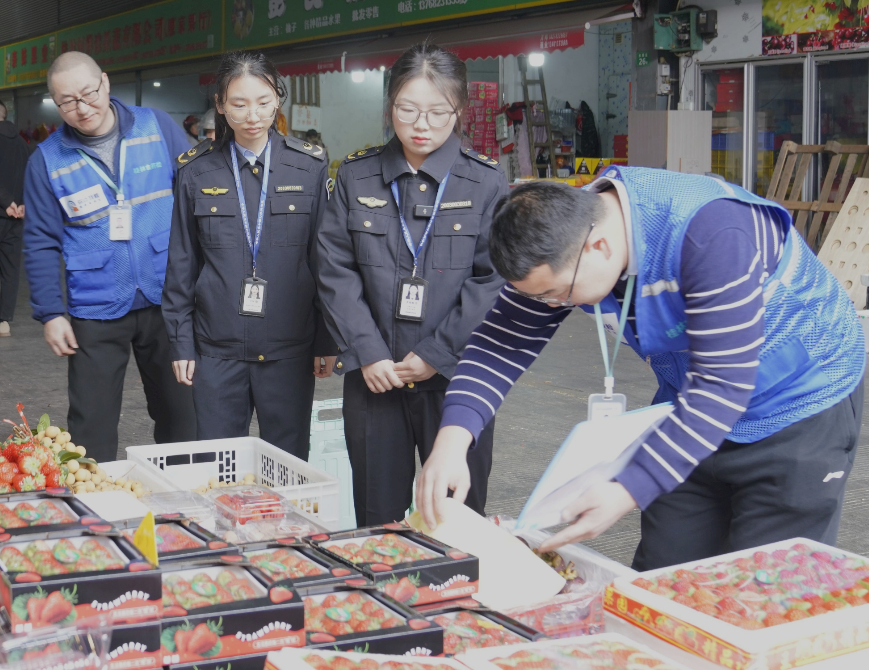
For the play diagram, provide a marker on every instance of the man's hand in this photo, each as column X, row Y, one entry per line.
column 323, row 366
column 381, row 376
column 20, row 211
column 184, row 371
column 445, row 469
column 414, row 369
column 58, row 333
column 15, row 211
column 595, row 511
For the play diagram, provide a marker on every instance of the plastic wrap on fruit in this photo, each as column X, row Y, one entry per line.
column 15, row 561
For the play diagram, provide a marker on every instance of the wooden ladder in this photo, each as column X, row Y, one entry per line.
column 530, row 124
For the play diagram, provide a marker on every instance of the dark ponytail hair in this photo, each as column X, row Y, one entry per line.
column 443, row 69
column 235, row 64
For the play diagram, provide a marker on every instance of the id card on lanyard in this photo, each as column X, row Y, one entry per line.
column 413, row 290
column 252, row 300
column 601, row 405
column 121, row 214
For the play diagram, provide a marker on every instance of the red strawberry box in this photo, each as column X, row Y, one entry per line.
column 44, row 511
column 778, row 606
column 406, row 565
column 292, row 562
column 135, row 647
column 469, row 625
column 217, row 609
column 65, row 576
column 180, row 539
column 321, row 659
column 355, row 615
column 252, row 662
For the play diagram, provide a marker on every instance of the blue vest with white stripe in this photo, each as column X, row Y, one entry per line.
column 102, row 275
column 813, row 353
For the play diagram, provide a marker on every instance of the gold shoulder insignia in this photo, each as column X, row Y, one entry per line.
column 364, row 153
column 305, row 147
column 214, row 191
column 192, row 154
column 481, row 158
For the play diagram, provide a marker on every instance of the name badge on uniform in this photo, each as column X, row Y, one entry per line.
column 252, row 301
column 120, row 222
column 412, row 296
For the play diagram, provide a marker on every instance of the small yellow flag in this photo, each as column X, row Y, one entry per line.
column 145, row 538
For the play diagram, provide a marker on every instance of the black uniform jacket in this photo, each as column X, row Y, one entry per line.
column 362, row 255
column 209, row 255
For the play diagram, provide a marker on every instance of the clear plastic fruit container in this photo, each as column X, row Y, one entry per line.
column 284, row 563
column 247, row 503
column 192, row 505
column 348, row 612
column 35, row 513
column 389, row 549
column 171, row 537
column 208, row 586
column 62, row 556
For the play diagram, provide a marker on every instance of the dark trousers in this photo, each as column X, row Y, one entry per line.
column 96, row 381
column 790, row 484
column 227, row 391
column 10, row 261
column 382, row 430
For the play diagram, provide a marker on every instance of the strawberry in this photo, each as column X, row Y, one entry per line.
column 52, row 479
column 643, row 583
column 731, row 618
column 10, row 453
column 182, row 640
column 683, row 587
column 710, row 610
column 30, row 465
column 24, row 483
column 684, row 600
column 853, row 600
column 6, row 488
column 833, row 605
column 7, row 472
column 57, row 608
column 795, row 615
column 774, row 620
column 822, row 556
column 728, row 604
column 202, row 640
column 683, row 575
column 49, row 467
column 751, row 624
column 34, row 609
column 665, row 581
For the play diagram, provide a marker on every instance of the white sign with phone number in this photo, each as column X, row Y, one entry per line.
column 305, row 117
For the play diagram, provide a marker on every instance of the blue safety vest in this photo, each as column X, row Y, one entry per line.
column 101, row 275
column 813, row 355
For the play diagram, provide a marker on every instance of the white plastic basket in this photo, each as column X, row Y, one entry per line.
column 189, row 465
column 329, row 453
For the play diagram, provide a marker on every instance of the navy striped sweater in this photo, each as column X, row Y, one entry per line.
column 729, row 250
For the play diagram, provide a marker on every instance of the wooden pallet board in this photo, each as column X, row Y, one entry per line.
column 846, row 248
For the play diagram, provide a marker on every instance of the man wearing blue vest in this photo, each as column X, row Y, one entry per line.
column 750, row 336
column 99, row 192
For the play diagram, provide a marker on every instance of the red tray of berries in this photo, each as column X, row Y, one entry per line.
column 218, row 609
column 44, row 511
column 64, row 576
column 469, row 625
column 291, row 561
column 783, row 604
column 180, row 539
column 321, row 659
column 406, row 565
column 607, row 651
column 355, row 615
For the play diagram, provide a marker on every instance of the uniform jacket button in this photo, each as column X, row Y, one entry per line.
column 292, row 208
column 339, row 365
column 214, row 209
column 367, row 224
column 261, row 357
column 457, row 226
column 410, row 385
column 256, row 170
column 422, row 187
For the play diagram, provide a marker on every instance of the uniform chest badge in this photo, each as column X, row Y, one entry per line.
column 215, row 191
column 371, row 202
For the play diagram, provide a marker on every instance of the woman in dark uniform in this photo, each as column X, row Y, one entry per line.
column 240, row 300
column 413, row 214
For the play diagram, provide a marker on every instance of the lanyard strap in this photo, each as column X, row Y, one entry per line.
column 408, row 240
column 609, row 380
column 118, row 189
column 252, row 243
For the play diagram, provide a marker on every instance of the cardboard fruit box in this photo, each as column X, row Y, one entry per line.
column 354, row 616
column 294, row 563
column 64, row 576
column 321, row 659
column 469, row 625
column 217, row 609
column 594, row 651
column 135, row 647
column 777, row 606
column 406, row 565
column 180, row 539
column 44, row 511
column 252, row 662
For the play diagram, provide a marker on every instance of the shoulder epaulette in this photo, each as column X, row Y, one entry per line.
column 192, row 154
column 364, row 153
column 305, row 147
column 482, row 158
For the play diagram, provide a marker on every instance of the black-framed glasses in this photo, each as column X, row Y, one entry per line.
column 436, row 118
column 88, row 99
column 555, row 301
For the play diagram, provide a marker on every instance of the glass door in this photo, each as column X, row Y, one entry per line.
column 778, row 115
column 723, row 95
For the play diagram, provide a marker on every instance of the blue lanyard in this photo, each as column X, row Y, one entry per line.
column 252, row 243
column 609, row 380
column 408, row 240
column 119, row 189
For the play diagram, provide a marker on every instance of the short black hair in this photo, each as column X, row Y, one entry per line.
column 541, row 223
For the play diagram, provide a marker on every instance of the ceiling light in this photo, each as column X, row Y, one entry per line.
column 535, row 59
column 156, row 84
column 382, row 68
column 47, row 101
column 358, row 76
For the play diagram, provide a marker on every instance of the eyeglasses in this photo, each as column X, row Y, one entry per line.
column 87, row 99
column 263, row 112
column 436, row 118
column 555, row 301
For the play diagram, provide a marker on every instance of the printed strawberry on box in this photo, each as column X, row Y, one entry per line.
column 179, row 539
column 607, row 651
column 217, row 609
column 469, row 625
column 82, row 645
column 356, row 616
column 44, row 511
column 65, row 576
column 777, row 606
column 321, row 659
column 292, row 562
column 406, row 565
column 252, row 662
column 135, row 647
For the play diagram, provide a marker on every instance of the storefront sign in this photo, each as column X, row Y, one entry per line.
column 27, row 62
column 837, row 25
column 305, row 117
column 643, row 58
